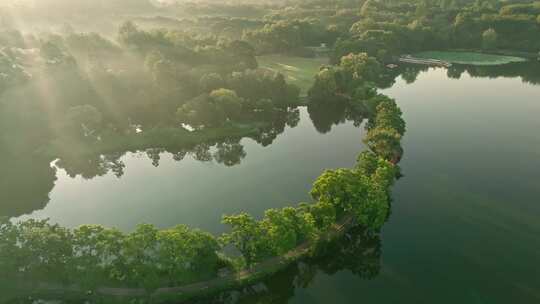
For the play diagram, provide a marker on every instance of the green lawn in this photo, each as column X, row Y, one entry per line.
column 469, row 58
column 298, row 70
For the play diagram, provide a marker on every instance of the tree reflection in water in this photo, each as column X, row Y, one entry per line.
column 25, row 184
column 23, row 171
column 358, row 252
column 324, row 117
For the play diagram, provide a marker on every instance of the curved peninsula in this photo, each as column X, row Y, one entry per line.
column 181, row 263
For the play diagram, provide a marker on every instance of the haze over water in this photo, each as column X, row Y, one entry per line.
column 464, row 226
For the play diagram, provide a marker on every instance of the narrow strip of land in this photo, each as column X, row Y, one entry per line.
column 181, row 293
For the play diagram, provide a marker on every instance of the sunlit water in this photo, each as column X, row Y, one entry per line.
column 198, row 193
column 465, row 224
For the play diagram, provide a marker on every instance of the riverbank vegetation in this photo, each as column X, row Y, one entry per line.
column 391, row 28
column 151, row 258
column 142, row 71
column 182, row 77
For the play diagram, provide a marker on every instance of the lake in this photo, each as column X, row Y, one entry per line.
column 197, row 193
column 465, row 222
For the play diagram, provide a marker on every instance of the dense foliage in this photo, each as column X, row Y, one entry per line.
column 390, row 28
column 111, row 69
column 179, row 84
column 93, row 255
column 151, row 258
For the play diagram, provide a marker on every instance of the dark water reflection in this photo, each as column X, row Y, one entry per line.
column 465, row 223
column 356, row 252
column 165, row 186
column 36, row 174
column 25, row 171
column 25, row 184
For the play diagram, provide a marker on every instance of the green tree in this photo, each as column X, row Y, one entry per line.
column 97, row 253
column 201, row 111
column 343, row 188
column 287, row 228
column 185, row 256
column 385, row 142
column 367, row 163
column 44, row 251
column 228, row 101
column 324, row 214
column 489, row 39
column 325, row 87
column 139, row 258
column 388, row 115
column 361, row 67
column 210, row 82
column 10, row 251
column 243, row 55
column 248, row 237
column 375, row 210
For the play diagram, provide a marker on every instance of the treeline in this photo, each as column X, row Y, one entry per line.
column 95, row 256
column 385, row 29
column 391, row 28
column 357, row 252
column 290, row 36
column 351, row 85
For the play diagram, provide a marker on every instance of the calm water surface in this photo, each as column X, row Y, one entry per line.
column 198, row 193
column 465, row 225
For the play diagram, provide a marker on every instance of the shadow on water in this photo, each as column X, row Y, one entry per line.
column 27, row 179
column 22, row 171
column 25, row 184
column 324, row 117
column 357, row 252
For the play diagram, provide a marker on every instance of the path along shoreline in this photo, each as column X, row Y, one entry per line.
column 200, row 289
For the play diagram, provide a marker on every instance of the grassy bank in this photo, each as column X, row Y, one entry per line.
column 298, row 70
column 469, row 58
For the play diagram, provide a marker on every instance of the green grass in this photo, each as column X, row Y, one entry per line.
column 469, row 58
column 298, row 70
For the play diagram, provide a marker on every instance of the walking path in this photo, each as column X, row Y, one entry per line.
column 229, row 282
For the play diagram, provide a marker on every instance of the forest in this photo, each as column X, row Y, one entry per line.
column 84, row 82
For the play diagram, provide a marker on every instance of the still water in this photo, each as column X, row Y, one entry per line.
column 465, row 224
column 197, row 193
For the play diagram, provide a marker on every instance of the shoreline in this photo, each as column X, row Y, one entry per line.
column 186, row 292
column 463, row 57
